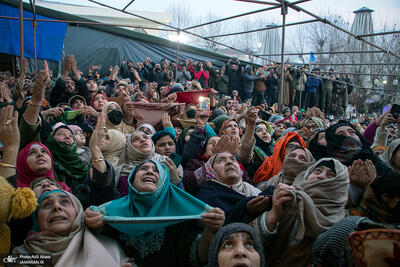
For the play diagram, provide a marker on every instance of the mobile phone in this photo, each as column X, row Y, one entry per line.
column 395, row 110
column 204, row 103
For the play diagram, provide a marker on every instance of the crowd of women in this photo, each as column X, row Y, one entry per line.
column 131, row 170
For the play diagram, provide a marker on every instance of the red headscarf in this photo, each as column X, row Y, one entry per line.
column 273, row 164
column 25, row 175
column 94, row 97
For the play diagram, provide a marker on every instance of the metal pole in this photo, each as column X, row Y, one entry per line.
column 367, row 74
column 177, row 54
column 378, row 33
column 261, row 2
column 240, row 15
column 128, row 5
column 21, row 34
column 283, row 13
column 34, row 24
column 343, row 30
column 91, row 23
column 348, row 64
column 264, row 29
column 324, row 53
column 182, row 30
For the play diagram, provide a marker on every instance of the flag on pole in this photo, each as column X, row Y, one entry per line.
column 312, row 57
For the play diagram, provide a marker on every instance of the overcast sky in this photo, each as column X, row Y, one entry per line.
column 385, row 10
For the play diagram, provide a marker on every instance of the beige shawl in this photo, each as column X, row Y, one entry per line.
column 388, row 154
column 79, row 248
column 320, row 203
column 122, row 127
column 114, row 151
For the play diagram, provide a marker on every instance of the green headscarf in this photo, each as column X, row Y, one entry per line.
column 139, row 213
column 68, row 167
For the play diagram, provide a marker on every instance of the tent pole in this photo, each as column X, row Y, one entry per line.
column 378, row 33
column 34, row 25
column 128, row 5
column 264, row 29
column 348, row 64
column 21, row 34
column 324, row 53
column 178, row 34
column 283, row 13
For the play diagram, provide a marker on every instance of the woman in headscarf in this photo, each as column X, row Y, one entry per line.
column 318, row 199
column 34, row 161
column 68, row 167
column 273, row 164
column 392, row 155
column 348, row 146
column 264, row 142
column 317, row 144
column 59, row 230
column 149, row 222
column 223, row 186
column 114, row 118
column 295, row 163
column 113, row 146
column 236, row 244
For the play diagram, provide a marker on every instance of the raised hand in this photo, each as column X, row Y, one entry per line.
column 38, row 88
column 362, row 173
column 258, row 205
column 226, row 143
column 173, row 171
column 93, row 219
column 166, row 120
column 213, row 219
column 9, row 133
column 282, row 195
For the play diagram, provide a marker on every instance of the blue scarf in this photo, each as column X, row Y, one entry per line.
column 139, row 213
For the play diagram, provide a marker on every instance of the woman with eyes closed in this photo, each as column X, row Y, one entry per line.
column 171, row 236
column 295, row 163
column 315, row 201
column 59, row 230
column 236, row 245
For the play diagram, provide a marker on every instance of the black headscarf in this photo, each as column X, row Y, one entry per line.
column 266, row 147
column 224, row 233
column 318, row 151
column 335, row 142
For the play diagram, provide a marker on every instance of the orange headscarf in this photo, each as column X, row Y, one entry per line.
column 273, row 164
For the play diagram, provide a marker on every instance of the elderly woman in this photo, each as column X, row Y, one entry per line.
column 273, row 164
column 318, row 199
column 223, row 186
column 59, row 230
column 149, row 221
column 317, row 144
column 236, row 244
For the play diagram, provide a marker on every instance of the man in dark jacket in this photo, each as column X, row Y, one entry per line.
column 272, row 83
column 66, row 87
column 234, row 72
column 312, row 86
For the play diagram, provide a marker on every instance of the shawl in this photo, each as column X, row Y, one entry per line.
column 25, row 175
column 223, row 234
column 224, row 126
column 291, row 169
column 68, row 167
column 320, row 203
column 230, row 201
column 151, row 113
column 335, row 143
column 79, row 248
column 109, row 125
column 318, row 121
column 273, row 164
column 139, row 213
column 218, row 121
column 389, row 153
column 115, row 149
column 181, row 140
column 315, row 148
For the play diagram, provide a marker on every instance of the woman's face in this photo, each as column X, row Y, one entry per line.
column 263, row 133
column 291, row 146
column 210, row 146
column 80, row 138
column 165, row 146
column 347, row 131
column 232, row 129
column 238, row 249
column 227, row 168
column 142, row 142
column 44, row 186
column 396, row 160
column 112, row 107
column 78, row 104
column 56, row 213
column 99, row 102
column 322, row 139
column 232, row 111
column 280, row 127
column 146, row 178
column 298, row 154
column 178, row 131
column 63, row 135
column 39, row 160
column 321, row 173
